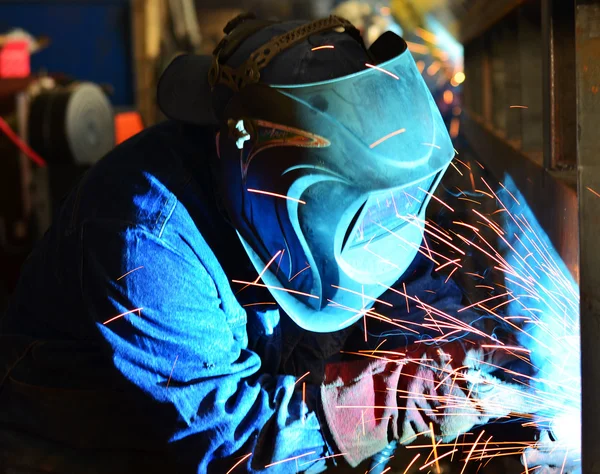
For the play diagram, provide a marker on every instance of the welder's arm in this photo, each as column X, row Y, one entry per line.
column 370, row 402
column 173, row 334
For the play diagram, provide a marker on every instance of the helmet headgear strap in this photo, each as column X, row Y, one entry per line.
column 243, row 27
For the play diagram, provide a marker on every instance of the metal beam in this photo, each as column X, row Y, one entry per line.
column 587, row 36
column 559, row 90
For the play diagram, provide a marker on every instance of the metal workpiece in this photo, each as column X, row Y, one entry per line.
column 588, row 163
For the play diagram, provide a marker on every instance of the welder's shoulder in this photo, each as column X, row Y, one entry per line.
column 139, row 182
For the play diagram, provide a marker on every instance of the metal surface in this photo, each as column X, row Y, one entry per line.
column 588, row 162
column 482, row 14
column 558, row 40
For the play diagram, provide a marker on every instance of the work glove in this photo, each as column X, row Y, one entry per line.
column 558, row 448
column 368, row 403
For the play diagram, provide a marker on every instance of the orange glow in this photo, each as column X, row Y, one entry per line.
column 448, row 97
column 426, row 35
column 421, row 66
column 454, row 127
column 457, row 110
column 459, row 77
column 385, row 11
column 417, row 48
column 434, row 68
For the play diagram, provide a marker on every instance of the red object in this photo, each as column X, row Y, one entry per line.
column 14, row 59
column 20, row 144
column 127, row 124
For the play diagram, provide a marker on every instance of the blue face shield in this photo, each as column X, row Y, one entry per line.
column 333, row 180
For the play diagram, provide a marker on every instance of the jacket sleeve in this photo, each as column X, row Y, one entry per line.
column 171, row 334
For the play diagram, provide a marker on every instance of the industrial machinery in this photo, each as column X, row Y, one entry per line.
column 52, row 130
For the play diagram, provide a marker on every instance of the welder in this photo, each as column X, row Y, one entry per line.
column 193, row 306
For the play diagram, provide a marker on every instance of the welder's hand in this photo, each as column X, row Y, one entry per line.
column 551, row 456
column 368, row 403
column 558, row 448
column 451, row 389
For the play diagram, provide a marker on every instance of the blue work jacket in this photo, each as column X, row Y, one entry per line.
column 138, row 264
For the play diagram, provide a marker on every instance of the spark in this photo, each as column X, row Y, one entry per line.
column 459, row 172
column 406, row 297
column 592, row 191
column 411, row 463
column 451, row 273
column 432, row 145
column 239, row 462
column 324, row 457
column 279, row 263
column 249, row 283
column 475, row 229
column 303, row 401
column 462, row 163
column 436, row 198
column 519, row 107
column 436, row 461
column 437, row 464
column 506, row 348
column 136, row 310
column 267, row 193
column 363, row 295
column 471, row 452
column 382, row 70
column 267, row 266
column 470, row 200
column 326, row 46
column 129, row 272
column 387, row 137
column 380, row 462
column 564, row 462
column 302, row 377
column 380, row 344
column 172, row 369
column 290, row 459
column 258, row 304
column 484, row 193
column 303, row 270
column 510, row 194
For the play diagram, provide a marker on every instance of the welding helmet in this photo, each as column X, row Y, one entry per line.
column 325, row 182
